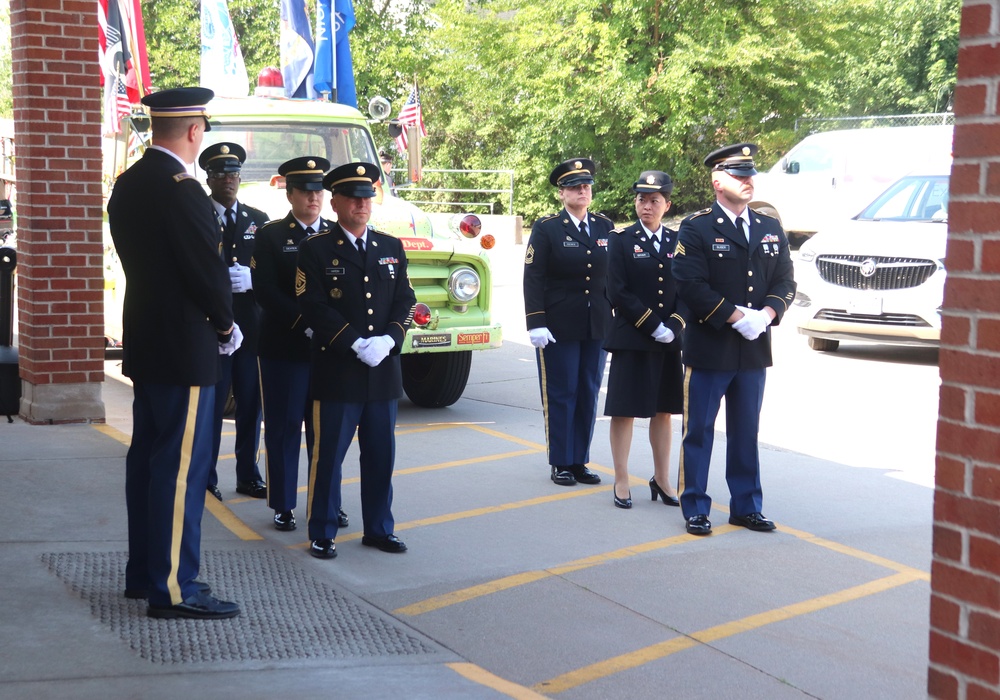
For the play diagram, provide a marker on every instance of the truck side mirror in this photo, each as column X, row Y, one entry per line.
column 793, row 168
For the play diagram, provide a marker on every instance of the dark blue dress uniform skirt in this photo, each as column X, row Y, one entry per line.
column 642, row 384
column 569, row 376
column 375, row 421
column 166, row 474
column 239, row 371
column 703, row 392
column 285, row 387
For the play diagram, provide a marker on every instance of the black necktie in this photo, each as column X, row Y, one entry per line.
column 741, row 227
column 309, row 230
column 583, row 229
column 656, row 242
column 361, row 248
column 229, row 234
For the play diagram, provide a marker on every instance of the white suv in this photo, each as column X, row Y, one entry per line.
column 880, row 276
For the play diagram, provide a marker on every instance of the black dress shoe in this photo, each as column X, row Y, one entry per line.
column 563, row 476
column 390, row 543
column 699, row 525
column 284, row 520
column 214, row 490
column 253, row 489
column 655, row 490
column 199, row 606
column 584, row 475
column 342, row 520
column 323, row 549
column 622, row 502
column 754, row 521
column 142, row 593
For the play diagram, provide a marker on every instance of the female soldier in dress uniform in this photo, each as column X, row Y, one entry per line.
column 645, row 379
column 568, row 315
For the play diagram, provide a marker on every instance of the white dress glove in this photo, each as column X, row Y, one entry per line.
column 662, row 334
column 378, row 349
column 753, row 323
column 239, row 276
column 234, row 342
column 540, row 337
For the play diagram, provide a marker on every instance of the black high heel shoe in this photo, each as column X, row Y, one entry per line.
column 625, row 503
column 654, row 490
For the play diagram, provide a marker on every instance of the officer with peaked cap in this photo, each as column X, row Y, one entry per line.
column 178, row 318
column 645, row 379
column 354, row 293
column 568, row 316
column 283, row 345
column 734, row 272
column 222, row 163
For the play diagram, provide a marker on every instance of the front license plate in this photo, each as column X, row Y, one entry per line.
column 865, row 306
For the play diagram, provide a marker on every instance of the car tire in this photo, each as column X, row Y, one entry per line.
column 824, row 344
column 436, row 380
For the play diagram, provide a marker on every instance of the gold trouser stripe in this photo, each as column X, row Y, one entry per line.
column 313, row 461
column 684, row 429
column 545, row 394
column 180, row 494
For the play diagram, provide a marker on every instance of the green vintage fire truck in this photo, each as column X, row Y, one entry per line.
column 449, row 267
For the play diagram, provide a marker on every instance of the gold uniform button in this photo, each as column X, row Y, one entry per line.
column 371, row 328
column 659, row 279
column 660, row 292
column 749, row 273
column 589, row 266
column 586, row 279
column 660, row 266
column 368, row 295
column 749, row 289
column 660, row 305
column 371, row 311
column 366, row 278
column 586, row 291
column 749, row 304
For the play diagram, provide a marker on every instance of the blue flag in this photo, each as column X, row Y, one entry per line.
column 344, row 22
column 323, row 70
column 296, row 50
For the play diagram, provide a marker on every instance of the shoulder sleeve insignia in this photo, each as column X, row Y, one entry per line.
column 300, row 282
column 529, row 255
column 679, row 250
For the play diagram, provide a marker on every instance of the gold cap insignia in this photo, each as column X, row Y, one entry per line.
column 336, row 294
column 311, row 164
column 577, row 165
column 335, row 262
column 361, row 170
column 746, row 151
column 650, row 179
column 224, row 149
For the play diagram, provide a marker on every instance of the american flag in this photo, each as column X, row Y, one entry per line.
column 410, row 114
column 124, row 68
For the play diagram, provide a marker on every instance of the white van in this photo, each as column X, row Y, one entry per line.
column 834, row 174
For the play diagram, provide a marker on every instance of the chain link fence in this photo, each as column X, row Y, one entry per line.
column 812, row 125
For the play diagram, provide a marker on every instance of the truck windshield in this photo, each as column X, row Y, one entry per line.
column 269, row 145
column 915, row 198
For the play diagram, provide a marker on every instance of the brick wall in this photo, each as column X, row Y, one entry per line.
column 965, row 572
column 60, row 279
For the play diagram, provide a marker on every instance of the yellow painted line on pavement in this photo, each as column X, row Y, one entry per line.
column 478, row 674
column 476, row 512
column 624, row 662
column 114, row 433
column 507, row 582
column 505, row 436
column 447, row 465
column 219, row 510
column 855, row 553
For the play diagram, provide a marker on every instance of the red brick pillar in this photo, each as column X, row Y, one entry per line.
column 965, row 573
column 60, row 271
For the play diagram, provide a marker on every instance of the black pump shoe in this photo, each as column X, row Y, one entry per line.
column 625, row 503
column 655, row 490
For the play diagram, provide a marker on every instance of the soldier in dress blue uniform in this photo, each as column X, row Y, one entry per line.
column 568, row 316
column 177, row 319
column 283, row 347
column 222, row 163
column 354, row 293
column 645, row 380
column 734, row 272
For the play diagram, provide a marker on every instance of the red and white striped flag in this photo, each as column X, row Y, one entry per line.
column 124, row 68
column 411, row 114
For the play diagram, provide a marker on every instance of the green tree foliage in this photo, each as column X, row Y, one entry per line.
column 173, row 38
